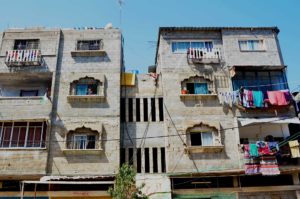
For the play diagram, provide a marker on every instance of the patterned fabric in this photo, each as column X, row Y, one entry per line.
column 263, row 148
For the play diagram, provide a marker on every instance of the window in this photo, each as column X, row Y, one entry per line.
column 82, row 139
column 89, row 45
column 201, row 139
column 260, row 80
column 26, row 44
column 25, row 93
column 86, row 86
column 22, row 134
column 182, row 47
column 197, row 88
column 251, row 45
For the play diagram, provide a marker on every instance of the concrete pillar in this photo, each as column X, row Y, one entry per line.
column 235, row 181
column 295, row 178
column 126, row 155
column 143, row 160
column 151, row 159
column 134, row 109
column 157, row 109
column 134, row 158
column 126, row 110
column 159, row 160
column 142, row 109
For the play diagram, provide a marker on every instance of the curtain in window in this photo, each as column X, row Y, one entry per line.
column 277, row 79
column 79, row 142
column 81, row 89
column 197, row 45
column 208, row 45
column 201, row 88
column 180, row 46
column 207, row 139
column 243, row 45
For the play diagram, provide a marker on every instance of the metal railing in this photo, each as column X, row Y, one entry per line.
column 204, row 53
column 23, row 57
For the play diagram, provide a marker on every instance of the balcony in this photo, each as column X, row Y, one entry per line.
column 204, row 55
column 30, row 57
column 25, row 96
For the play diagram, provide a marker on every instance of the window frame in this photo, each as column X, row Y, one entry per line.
column 86, row 133
column 201, row 133
column 100, row 45
column 26, row 144
column 262, row 48
column 27, row 41
column 189, row 41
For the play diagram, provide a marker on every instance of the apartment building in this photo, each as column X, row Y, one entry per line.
column 70, row 115
column 206, row 75
column 60, row 107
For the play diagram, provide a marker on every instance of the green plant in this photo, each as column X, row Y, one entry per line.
column 125, row 187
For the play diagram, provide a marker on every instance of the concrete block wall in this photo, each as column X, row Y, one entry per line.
column 104, row 114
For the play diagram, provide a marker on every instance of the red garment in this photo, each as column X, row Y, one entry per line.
column 250, row 98
column 277, row 98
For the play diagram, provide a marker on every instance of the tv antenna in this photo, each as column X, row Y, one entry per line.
column 120, row 2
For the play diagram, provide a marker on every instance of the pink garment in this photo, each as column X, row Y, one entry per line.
column 277, row 98
column 246, row 151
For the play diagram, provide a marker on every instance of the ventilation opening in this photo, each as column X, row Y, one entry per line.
column 130, row 154
column 161, row 109
column 145, row 109
column 153, row 111
column 130, row 110
column 138, row 111
column 155, row 165
column 147, row 161
column 163, row 160
column 123, row 156
column 139, row 161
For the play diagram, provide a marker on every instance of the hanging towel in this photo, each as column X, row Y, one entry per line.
column 263, row 148
column 245, row 99
column 253, row 150
column 277, row 98
column 252, row 169
column 246, row 150
column 294, row 147
column 258, row 98
column 250, row 98
column 269, row 169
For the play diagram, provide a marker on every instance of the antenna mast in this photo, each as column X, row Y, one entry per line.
column 120, row 2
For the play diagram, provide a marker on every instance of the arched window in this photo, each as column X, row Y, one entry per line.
column 83, row 139
column 197, row 85
column 86, row 86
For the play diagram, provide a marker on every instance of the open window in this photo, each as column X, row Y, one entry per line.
column 197, row 86
column 89, row 48
column 203, row 138
column 86, row 88
column 83, row 139
column 28, row 44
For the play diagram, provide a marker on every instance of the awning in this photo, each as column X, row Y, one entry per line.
column 275, row 120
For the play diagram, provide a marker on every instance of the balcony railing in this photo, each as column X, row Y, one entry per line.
column 204, row 55
column 31, row 57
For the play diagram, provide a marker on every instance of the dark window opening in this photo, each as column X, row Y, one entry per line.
column 197, row 88
column 26, row 93
column 91, row 142
column 258, row 180
column 130, row 154
column 155, row 165
column 196, row 139
column 196, row 183
column 139, row 160
column 90, row 45
column 123, row 110
column 147, row 161
column 138, row 110
column 153, row 111
column 26, row 44
column 145, row 109
column 161, row 109
column 163, row 160
column 130, row 110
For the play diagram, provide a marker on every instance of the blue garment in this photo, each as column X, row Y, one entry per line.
column 81, row 89
column 201, row 88
column 258, row 98
column 273, row 146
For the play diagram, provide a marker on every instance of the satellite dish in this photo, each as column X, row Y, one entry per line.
column 108, row 26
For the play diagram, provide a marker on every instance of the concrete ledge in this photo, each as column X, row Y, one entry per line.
column 85, row 98
column 88, row 53
column 82, row 151
column 198, row 96
column 204, row 149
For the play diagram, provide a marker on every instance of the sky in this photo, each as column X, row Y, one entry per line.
column 140, row 20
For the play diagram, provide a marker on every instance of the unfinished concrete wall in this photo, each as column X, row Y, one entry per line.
column 102, row 116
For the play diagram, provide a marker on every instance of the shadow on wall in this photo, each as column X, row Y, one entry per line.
column 92, row 59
